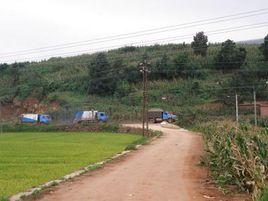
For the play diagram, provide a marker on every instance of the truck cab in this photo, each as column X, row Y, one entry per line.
column 44, row 119
column 169, row 117
column 102, row 116
column 35, row 118
column 159, row 115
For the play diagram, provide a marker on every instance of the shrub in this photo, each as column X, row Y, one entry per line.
column 263, row 122
column 140, row 141
column 27, row 128
column 109, row 127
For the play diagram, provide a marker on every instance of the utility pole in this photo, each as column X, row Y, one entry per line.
column 146, row 101
column 255, row 107
column 236, row 107
column 144, row 71
column 1, row 125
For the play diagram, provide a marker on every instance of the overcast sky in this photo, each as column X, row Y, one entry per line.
column 28, row 24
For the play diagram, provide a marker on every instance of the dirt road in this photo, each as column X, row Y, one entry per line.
column 165, row 170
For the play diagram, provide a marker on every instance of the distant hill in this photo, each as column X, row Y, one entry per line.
column 252, row 42
column 60, row 86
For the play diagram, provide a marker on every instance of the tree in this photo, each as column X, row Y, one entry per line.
column 199, row 44
column 127, row 49
column 230, row 57
column 118, row 67
column 100, row 75
column 15, row 72
column 31, row 87
column 162, row 67
column 132, row 74
column 181, row 63
column 3, row 67
column 264, row 48
column 254, row 75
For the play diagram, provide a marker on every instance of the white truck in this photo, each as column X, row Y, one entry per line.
column 91, row 116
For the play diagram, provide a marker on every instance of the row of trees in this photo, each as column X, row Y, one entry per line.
column 200, row 46
column 230, row 56
column 106, row 77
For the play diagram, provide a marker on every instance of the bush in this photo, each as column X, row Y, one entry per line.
column 18, row 127
column 263, row 122
column 109, row 127
column 140, row 141
column 27, row 128
column 67, row 98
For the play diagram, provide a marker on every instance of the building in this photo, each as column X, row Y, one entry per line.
column 262, row 107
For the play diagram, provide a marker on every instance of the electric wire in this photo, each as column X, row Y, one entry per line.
column 155, row 31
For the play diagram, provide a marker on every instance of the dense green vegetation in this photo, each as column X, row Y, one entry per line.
column 113, row 76
column 237, row 156
column 31, row 159
column 18, row 127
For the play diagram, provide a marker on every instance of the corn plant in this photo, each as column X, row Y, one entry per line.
column 238, row 156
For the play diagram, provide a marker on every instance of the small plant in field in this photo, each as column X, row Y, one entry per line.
column 264, row 196
column 3, row 198
column 36, row 192
column 54, row 183
column 95, row 167
column 140, row 141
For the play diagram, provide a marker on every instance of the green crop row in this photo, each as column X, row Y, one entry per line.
column 237, row 156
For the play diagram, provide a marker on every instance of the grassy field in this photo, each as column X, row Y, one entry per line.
column 30, row 159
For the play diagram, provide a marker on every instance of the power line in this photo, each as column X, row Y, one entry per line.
column 146, row 32
column 116, row 46
column 188, row 36
column 191, row 50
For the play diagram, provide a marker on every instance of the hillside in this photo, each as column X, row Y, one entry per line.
column 252, row 42
column 191, row 84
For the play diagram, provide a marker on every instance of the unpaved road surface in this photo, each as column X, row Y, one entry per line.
column 165, row 170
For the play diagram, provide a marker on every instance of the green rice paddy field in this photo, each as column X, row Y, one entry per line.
column 31, row 159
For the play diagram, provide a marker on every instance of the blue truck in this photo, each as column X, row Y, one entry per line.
column 90, row 116
column 159, row 115
column 35, row 118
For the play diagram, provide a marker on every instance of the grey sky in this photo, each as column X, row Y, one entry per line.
column 27, row 24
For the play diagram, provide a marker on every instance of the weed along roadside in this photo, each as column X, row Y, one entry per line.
column 237, row 156
column 65, row 152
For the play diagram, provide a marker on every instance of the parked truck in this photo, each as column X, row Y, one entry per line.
column 90, row 116
column 35, row 118
column 159, row 115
